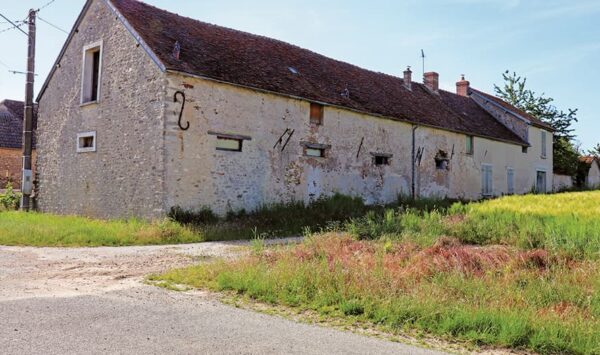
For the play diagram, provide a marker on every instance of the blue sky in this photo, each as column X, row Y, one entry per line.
column 554, row 43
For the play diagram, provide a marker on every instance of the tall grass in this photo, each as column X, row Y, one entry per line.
column 520, row 272
column 36, row 229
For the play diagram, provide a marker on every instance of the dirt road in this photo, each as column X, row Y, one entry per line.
column 93, row 300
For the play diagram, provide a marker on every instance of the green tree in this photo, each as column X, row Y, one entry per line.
column 595, row 151
column 515, row 92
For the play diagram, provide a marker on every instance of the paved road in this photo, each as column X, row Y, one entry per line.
column 49, row 305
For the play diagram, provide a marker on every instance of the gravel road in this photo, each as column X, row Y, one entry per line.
column 92, row 300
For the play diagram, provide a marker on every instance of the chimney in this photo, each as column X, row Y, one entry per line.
column 462, row 86
column 408, row 78
column 432, row 81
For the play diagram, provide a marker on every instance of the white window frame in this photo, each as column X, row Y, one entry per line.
column 490, row 183
column 85, row 77
column 86, row 135
column 510, row 180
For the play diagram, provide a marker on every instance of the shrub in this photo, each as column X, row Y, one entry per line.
column 10, row 199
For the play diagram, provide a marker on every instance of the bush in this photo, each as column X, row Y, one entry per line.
column 10, row 199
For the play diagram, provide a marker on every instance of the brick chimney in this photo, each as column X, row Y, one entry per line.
column 432, row 81
column 408, row 78
column 462, row 86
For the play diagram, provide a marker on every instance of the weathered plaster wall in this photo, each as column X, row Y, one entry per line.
column 199, row 175
column 593, row 179
column 125, row 176
column 562, row 182
column 11, row 163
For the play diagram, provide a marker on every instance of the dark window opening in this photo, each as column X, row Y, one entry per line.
column 442, row 162
column 95, row 75
column 316, row 114
column 229, row 144
column 381, row 160
column 86, row 142
column 524, row 150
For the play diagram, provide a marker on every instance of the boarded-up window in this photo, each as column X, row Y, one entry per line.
column 229, row 144
column 316, row 114
column 544, row 152
column 315, row 152
column 470, row 145
column 510, row 178
column 487, row 187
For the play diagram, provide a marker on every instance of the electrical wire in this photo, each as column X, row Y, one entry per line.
column 46, row 5
column 48, row 23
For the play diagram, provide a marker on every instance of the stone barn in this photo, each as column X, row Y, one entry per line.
column 592, row 171
column 11, row 142
column 145, row 110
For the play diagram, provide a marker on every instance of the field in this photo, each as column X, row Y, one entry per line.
column 521, row 272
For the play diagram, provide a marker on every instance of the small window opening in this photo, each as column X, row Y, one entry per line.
column 316, row 114
column 229, row 144
column 470, row 146
column 315, row 152
column 524, row 149
column 379, row 160
column 86, row 142
column 442, row 162
column 91, row 74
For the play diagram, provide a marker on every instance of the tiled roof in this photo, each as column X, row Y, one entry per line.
column 263, row 63
column 534, row 121
column 589, row 159
column 11, row 124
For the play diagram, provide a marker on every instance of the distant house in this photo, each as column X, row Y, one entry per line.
column 591, row 176
column 145, row 110
column 11, row 142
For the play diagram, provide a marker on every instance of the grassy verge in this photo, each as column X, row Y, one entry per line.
column 36, row 229
column 521, row 272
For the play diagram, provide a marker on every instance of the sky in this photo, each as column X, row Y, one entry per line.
column 555, row 44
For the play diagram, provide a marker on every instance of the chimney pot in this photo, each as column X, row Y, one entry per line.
column 432, row 81
column 408, row 78
column 462, row 86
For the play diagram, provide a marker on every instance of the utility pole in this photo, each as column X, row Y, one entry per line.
column 27, row 176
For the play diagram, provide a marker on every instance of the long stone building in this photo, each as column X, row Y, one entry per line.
column 145, row 110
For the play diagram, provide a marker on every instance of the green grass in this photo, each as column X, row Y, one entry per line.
column 36, row 229
column 521, row 272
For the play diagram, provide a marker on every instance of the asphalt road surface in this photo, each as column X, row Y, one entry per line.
column 90, row 301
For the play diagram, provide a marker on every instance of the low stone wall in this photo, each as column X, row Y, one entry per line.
column 562, row 182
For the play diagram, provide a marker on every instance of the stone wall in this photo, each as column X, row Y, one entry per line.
column 124, row 177
column 593, row 178
column 197, row 174
column 562, row 182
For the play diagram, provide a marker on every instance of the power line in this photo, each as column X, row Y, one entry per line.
column 4, row 64
column 46, row 5
column 18, row 27
column 58, row 28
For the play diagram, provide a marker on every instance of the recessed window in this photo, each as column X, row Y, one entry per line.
column 86, row 142
column 470, row 148
column 229, row 144
column 316, row 114
column 315, row 152
column 442, row 162
column 544, row 145
column 381, row 159
column 524, row 149
column 92, row 63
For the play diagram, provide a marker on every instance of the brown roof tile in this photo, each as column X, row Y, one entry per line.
column 259, row 62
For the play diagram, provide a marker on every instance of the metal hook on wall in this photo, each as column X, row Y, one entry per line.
column 182, row 94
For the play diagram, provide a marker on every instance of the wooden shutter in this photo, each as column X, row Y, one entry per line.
column 510, row 177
